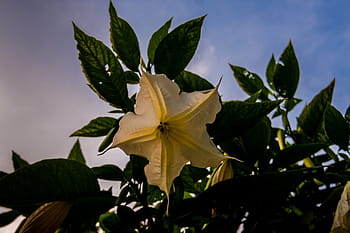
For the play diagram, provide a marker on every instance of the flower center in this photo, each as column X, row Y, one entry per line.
column 163, row 127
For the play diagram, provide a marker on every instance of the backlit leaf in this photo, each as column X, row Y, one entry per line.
column 189, row 82
column 237, row 116
column 336, row 127
column 296, row 153
column 108, row 139
column 312, row 116
column 97, row 127
column 156, row 38
column 131, row 77
column 76, row 153
column 286, row 75
column 17, row 161
column 270, row 70
column 176, row 50
column 256, row 139
column 108, row 172
column 102, row 70
column 45, row 181
column 251, row 83
column 289, row 104
column 124, row 40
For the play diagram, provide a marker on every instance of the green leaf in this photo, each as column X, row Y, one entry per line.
column 286, row 75
column 131, row 77
column 156, row 38
column 191, row 175
column 237, row 116
column 251, row 83
column 108, row 139
column 134, row 169
column 189, row 82
column 109, row 222
column 289, row 104
column 255, row 193
column 176, row 50
column 255, row 140
column 295, row 153
column 270, row 70
column 154, row 194
column 108, row 172
column 124, row 40
column 46, row 181
column 17, row 161
column 254, row 97
column 347, row 115
column 97, row 127
column 8, row 217
column 337, row 128
column 76, row 153
column 312, row 116
column 102, row 70
column 90, row 207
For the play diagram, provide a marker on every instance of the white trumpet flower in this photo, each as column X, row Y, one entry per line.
column 169, row 129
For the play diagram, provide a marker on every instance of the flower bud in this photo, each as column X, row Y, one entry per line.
column 223, row 172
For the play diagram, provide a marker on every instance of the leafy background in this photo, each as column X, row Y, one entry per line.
column 43, row 93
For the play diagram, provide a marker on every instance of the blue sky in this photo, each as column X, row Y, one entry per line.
column 44, row 96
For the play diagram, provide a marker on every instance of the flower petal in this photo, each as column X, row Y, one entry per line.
column 163, row 169
column 158, row 94
column 199, row 107
column 135, row 129
column 196, row 147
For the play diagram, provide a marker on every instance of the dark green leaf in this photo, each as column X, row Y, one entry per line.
column 76, row 153
column 124, row 40
column 286, row 75
column 109, row 222
column 131, row 77
column 154, row 194
column 312, row 116
column 270, row 70
column 92, row 206
column 256, row 139
column 258, row 193
column 237, row 116
column 109, row 172
column 17, row 161
column 176, row 50
column 8, row 217
column 108, row 139
column 102, row 70
column 347, row 115
column 251, row 83
column 97, row 127
column 45, row 181
column 189, row 82
column 156, row 38
column 337, row 128
column 254, row 97
column 134, row 169
column 289, row 104
column 191, row 175
column 295, row 153
column 116, row 111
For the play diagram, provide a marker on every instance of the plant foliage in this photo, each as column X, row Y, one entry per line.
column 290, row 178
